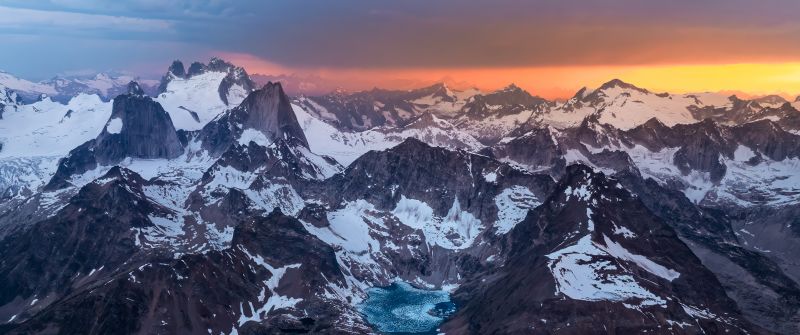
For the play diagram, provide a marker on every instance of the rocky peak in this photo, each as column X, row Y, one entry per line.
column 196, row 68
column 592, row 247
column 511, row 88
column 219, row 65
column 138, row 128
column 135, row 89
column 510, row 100
column 621, row 84
column 177, row 69
column 582, row 93
column 270, row 111
column 772, row 99
column 439, row 90
column 265, row 113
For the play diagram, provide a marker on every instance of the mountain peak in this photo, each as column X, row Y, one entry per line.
column 511, row 88
column 621, row 84
column 772, row 99
column 135, row 89
column 138, row 127
column 269, row 110
column 177, row 69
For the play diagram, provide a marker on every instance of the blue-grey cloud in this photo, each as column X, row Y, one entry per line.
column 397, row 34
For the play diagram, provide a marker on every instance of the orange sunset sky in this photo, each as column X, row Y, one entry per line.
column 551, row 48
column 561, row 82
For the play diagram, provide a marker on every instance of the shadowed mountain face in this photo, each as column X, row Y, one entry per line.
column 591, row 256
column 217, row 207
column 138, row 128
column 266, row 111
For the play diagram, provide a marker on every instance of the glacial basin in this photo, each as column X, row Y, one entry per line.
column 401, row 309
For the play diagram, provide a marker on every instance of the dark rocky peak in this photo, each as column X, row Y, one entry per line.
column 433, row 175
column 592, row 132
column 703, row 144
column 138, row 128
column 271, row 258
column 177, row 69
column 196, row 68
column 739, row 111
column 769, row 138
column 507, row 101
column 219, row 65
column 534, row 147
column 797, row 99
column 269, row 110
column 513, row 95
column 511, row 88
column 235, row 76
column 653, row 135
column 592, row 248
column 135, row 89
column 438, row 90
column 581, row 94
column 582, row 184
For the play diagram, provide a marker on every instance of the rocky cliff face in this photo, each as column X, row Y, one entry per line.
column 266, row 112
column 138, row 128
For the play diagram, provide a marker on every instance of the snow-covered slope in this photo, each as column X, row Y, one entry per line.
column 193, row 99
column 48, row 128
column 33, row 137
column 626, row 106
column 64, row 88
column 197, row 97
column 23, row 86
column 346, row 146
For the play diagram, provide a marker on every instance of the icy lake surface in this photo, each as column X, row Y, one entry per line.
column 403, row 309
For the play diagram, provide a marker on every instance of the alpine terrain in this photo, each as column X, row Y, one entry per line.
column 205, row 203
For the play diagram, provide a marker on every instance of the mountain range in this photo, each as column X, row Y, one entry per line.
column 207, row 203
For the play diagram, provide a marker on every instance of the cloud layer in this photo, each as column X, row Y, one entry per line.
column 317, row 35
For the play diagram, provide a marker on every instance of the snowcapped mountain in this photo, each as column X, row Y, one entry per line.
column 195, row 97
column 64, row 88
column 626, row 106
column 233, row 208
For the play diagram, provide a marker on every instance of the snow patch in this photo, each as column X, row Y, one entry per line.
column 457, row 230
column 512, row 207
column 584, row 271
column 114, row 126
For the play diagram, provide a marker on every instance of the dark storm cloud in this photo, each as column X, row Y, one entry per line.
column 397, row 34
